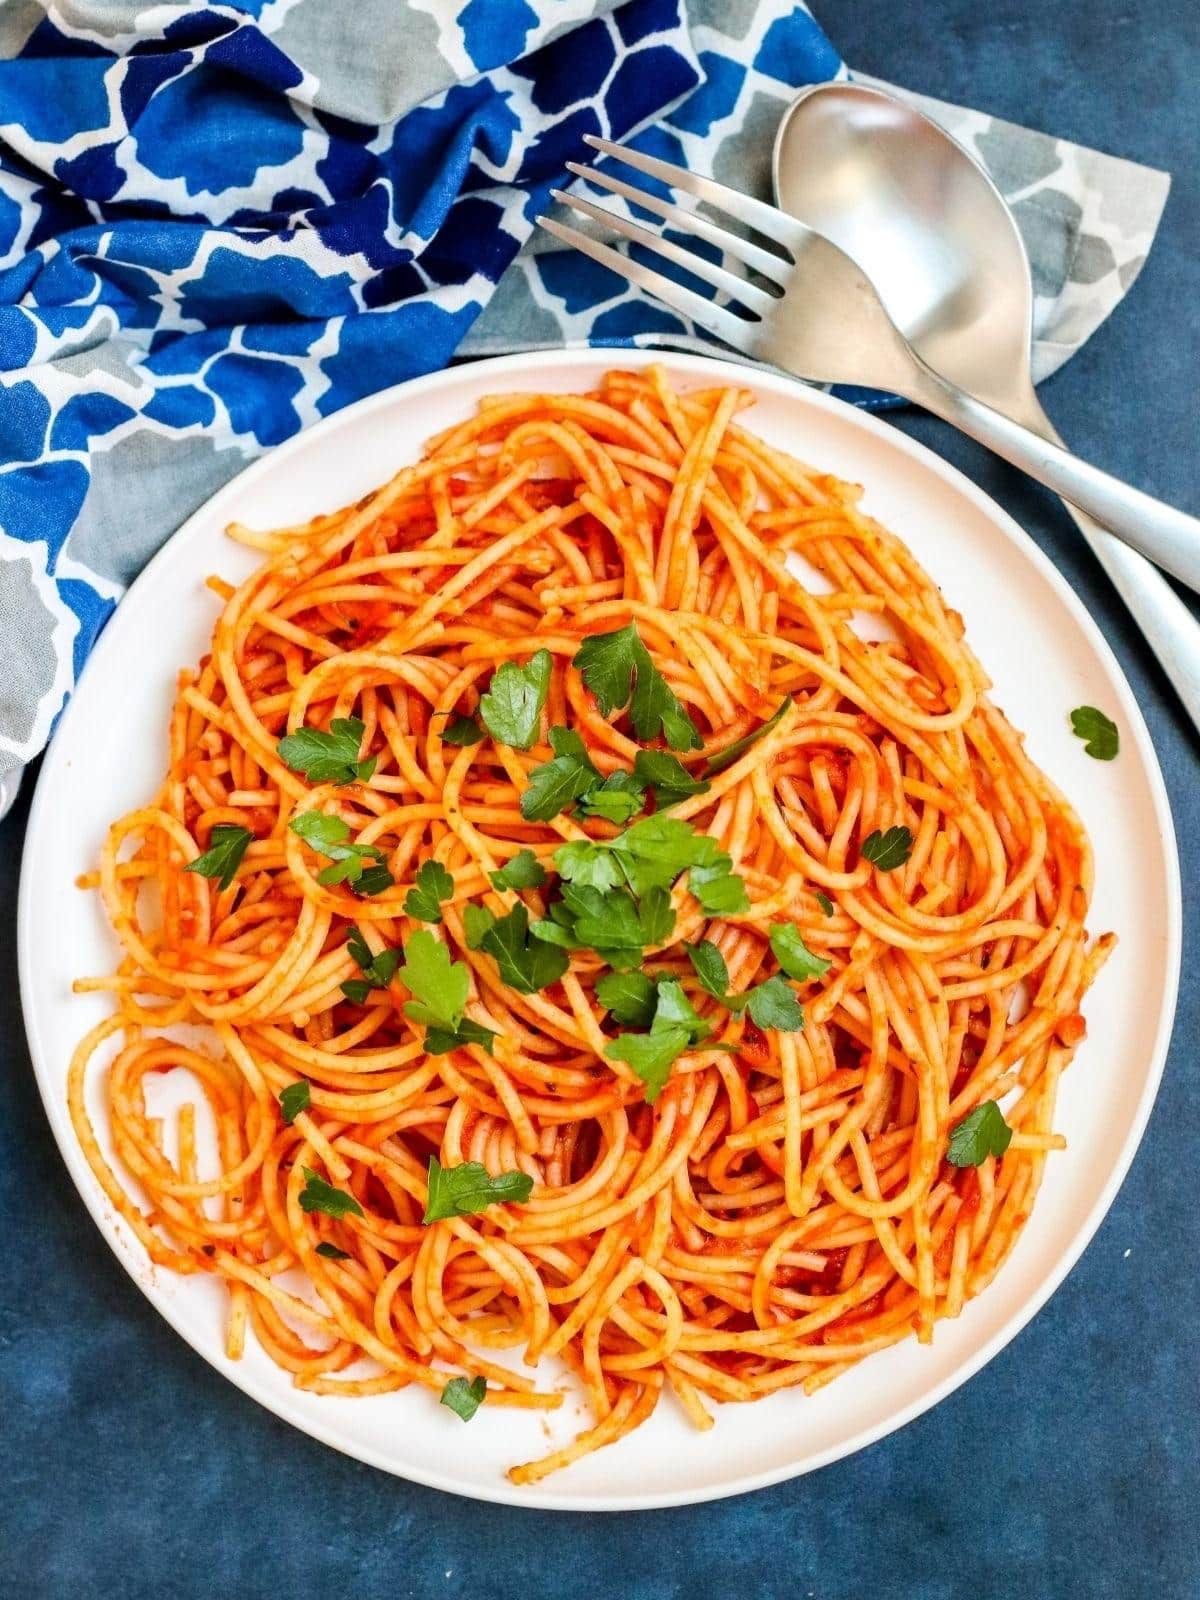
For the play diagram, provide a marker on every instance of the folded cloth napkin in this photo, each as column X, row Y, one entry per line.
column 219, row 224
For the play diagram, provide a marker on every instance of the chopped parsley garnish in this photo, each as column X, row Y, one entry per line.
column 825, row 903
column 460, row 1191
column 462, row 731
column 718, row 888
column 725, row 758
column 476, row 922
column 709, row 966
column 773, row 1004
column 439, row 988
column 512, row 707
column 328, row 757
column 377, row 970
column 629, row 997
column 610, row 921
column 793, row 955
column 555, row 784
column 652, row 853
column 424, row 900
column 1100, row 732
column 618, row 798
column 618, row 670
column 650, row 1055
column 526, row 965
column 330, row 836
column 464, row 1396
column 675, row 1026
column 667, row 776
column 523, row 871
column 294, row 1099
column 226, row 847
column 317, row 1195
column 888, row 850
column 331, row 1251
column 981, row 1133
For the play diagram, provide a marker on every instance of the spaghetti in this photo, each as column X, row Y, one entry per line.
column 785, row 1206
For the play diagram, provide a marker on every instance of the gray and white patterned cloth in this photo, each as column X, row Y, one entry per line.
column 221, row 222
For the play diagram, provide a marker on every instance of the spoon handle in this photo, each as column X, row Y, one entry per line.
column 1170, row 538
column 1169, row 627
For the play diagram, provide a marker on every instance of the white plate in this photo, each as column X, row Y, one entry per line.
column 1045, row 657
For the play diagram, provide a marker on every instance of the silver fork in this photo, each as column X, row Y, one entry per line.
column 821, row 319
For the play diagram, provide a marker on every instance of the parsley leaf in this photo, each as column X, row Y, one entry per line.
column 462, row 731
column 377, row 971
column 676, row 1026
column 439, row 985
column 554, row 784
column 773, row 1004
column 328, row 757
column 630, row 997
column 464, row 1396
column 460, row 1191
column 617, row 799
column 709, row 966
column 981, row 1133
column 675, row 1010
column 825, row 903
column 476, row 922
column 654, row 851
column 720, row 891
column 793, row 955
column 440, row 988
column 617, row 668
column 317, row 1195
column 226, row 847
column 650, row 1055
column 888, row 850
column 523, row 871
column 590, row 865
column 331, row 1251
column 726, row 758
column 434, row 884
column 656, row 915
column 440, row 1041
column 512, row 707
column 1100, row 732
column 525, row 964
column 667, row 776
column 609, row 921
column 330, row 836
column 294, row 1099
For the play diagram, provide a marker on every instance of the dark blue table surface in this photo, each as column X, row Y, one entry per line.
column 1069, row 1467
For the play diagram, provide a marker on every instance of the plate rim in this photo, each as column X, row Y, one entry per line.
column 601, row 359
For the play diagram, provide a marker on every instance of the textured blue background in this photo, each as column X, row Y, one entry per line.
column 1070, row 1467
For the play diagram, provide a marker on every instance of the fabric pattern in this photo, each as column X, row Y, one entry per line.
column 219, row 224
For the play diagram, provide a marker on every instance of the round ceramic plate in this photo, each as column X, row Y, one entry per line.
column 1044, row 655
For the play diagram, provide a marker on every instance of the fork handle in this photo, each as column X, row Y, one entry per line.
column 1169, row 537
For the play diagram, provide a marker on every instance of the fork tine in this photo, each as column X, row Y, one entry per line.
column 763, row 261
column 716, row 319
column 769, row 221
column 748, row 293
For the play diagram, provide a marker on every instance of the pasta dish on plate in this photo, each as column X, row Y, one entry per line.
column 599, row 914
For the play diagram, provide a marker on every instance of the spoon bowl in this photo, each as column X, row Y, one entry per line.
column 926, row 225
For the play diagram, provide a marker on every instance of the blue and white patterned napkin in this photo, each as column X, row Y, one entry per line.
column 221, row 223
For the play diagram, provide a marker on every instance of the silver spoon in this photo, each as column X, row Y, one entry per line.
column 926, row 224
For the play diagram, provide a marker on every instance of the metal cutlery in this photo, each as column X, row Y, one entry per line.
column 816, row 315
